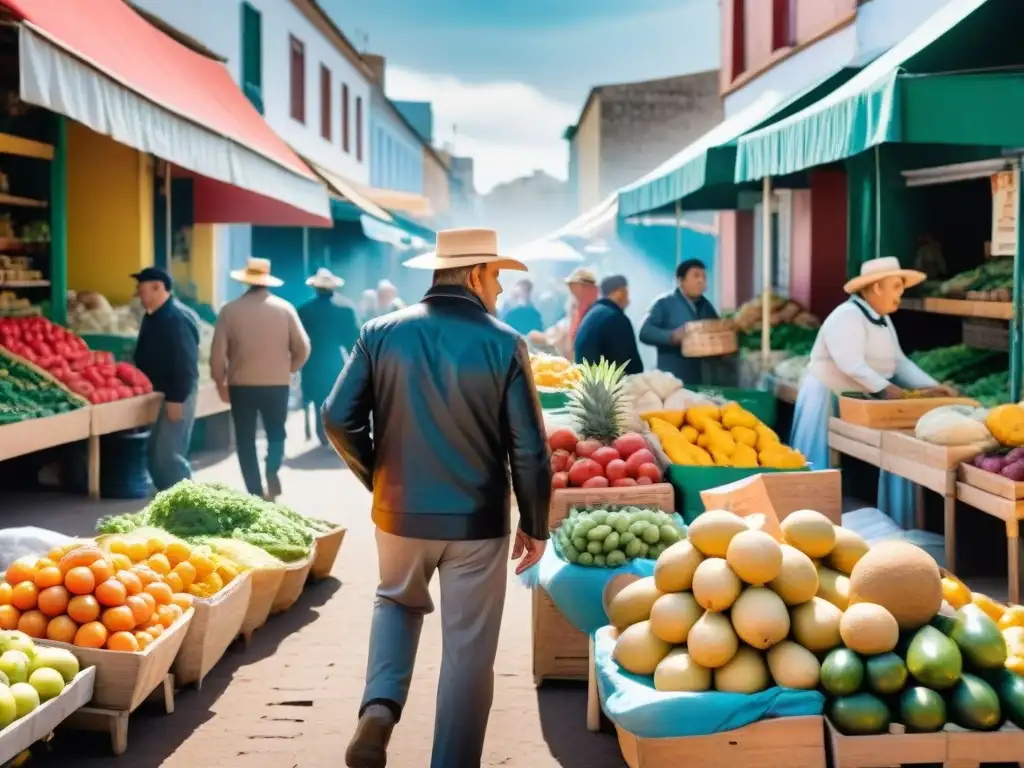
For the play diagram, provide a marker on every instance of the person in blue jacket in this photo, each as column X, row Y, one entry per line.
column 333, row 329
column 606, row 331
column 663, row 326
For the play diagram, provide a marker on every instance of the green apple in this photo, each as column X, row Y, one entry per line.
column 8, row 707
column 47, row 682
column 14, row 664
column 26, row 697
column 19, row 641
column 60, row 659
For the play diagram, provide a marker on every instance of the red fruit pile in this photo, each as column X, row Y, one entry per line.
column 589, row 464
column 96, row 376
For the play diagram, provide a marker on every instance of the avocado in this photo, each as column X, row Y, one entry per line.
column 943, row 623
column 933, row 659
column 887, row 674
column 922, row 710
column 859, row 715
column 974, row 705
column 979, row 638
column 1010, row 687
column 842, row 672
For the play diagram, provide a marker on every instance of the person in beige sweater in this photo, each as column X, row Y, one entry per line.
column 258, row 343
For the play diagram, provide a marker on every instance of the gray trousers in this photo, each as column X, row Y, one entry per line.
column 473, row 577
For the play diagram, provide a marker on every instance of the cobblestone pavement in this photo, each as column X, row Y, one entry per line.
column 290, row 697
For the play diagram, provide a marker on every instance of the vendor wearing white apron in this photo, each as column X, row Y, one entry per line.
column 857, row 351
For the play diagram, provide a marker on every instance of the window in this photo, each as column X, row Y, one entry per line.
column 344, row 118
column 782, row 243
column 325, row 102
column 359, row 128
column 252, row 55
column 298, row 79
column 737, row 58
column 783, row 24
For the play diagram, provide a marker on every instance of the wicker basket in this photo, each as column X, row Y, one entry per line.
column 265, row 584
column 294, row 580
column 215, row 625
column 327, row 547
column 709, row 338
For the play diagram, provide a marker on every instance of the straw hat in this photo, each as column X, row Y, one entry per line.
column 325, row 280
column 464, row 248
column 581, row 275
column 257, row 272
column 878, row 269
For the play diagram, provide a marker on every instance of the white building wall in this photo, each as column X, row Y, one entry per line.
column 217, row 24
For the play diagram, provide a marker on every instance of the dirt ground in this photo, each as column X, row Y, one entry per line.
column 289, row 699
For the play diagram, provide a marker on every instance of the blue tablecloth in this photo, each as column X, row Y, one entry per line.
column 631, row 702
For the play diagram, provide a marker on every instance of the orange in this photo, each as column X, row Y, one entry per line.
column 161, row 592
column 79, row 557
column 53, row 601
column 138, row 551
column 61, row 629
column 169, row 614
column 203, row 564
column 155, row 545
column 123, row 641
column 24, row 596
column 9, row 616
column 84, row 609
column 102, row 570
column 141, row 609
column 117, row 546
column 119, row 619
column 174, row 581
column 131, row 582
column 55, row 554
column 155, row 630
column 111, row 593
column 80, row 580
column 146, row 574
column 121, row 562
column 144, row 639
column 177, row 552
column 49, row 576
column 187, row 572
column 6, row 593
column 159, row 563
column 33, row 624
column 22, row 569
column 45, row 562
column 183, row 601
column 91, row 635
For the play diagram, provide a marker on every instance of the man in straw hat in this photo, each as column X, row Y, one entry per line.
column 258, row 343
column 857, row 351
column 435, row 405
column 333, row 328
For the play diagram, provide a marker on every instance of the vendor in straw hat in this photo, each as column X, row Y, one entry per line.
column 857, row 351
column 454, row 409
column 258, row 343
column 332, row 325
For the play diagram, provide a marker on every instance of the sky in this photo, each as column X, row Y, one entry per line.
column 506, row 77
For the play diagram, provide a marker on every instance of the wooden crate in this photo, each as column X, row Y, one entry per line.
column 327, row 548
column 23, row 733
column 931, row 466
column 709, row 338
column 986, row 334
column 972, row 749
column 864, row 443
column 559, row 649
column 266, row 582
column 893, row 414
column 292, row 584
column 783, row 493
column 995, row 310
column 784, row 742
column 216, row 622
column 130, row 413
column 33, row 435
column 990, row 482
column 885, row 750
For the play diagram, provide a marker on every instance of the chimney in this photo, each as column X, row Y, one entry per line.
column 378, row 65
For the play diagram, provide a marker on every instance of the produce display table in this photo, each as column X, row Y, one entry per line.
column 107, row 418
column 1001, row 498
column 33, row 435
column 208, row 402
column 23, row 733
column 863, row 443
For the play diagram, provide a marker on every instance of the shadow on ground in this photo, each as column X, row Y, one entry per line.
column 319, row 457
column 563, row 718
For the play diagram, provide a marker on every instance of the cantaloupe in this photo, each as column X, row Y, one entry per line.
column 834, row 587
column 712, row 641
column 900, row 577
column 760, row 617
column 679, row 672
column 715, row 586
column 869, row 629
column 793, row 666
column 638, row 650
column 633, row 604
column 797, row 581
column 815, row 625
column 754, row 556
column 673, row 570
column 849, row 549
column 810, row 532
column 673, row 615
column 745, row 672
column 712, row 531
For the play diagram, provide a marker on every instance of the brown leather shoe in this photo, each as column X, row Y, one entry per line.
column 369, row 745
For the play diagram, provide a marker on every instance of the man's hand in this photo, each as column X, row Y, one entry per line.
column 528, row 549
column 944, row 390
column 892, row 392
column 677, row 335
column 175, row 411
column 225, row 396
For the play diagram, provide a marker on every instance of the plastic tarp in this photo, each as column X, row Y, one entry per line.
column 631, row 702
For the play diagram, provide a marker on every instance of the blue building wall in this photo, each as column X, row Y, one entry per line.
column 420, row 115
column 396, row 162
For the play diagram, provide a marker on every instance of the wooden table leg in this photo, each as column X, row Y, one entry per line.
column 593, row 697
column 1013, row 561
column 919, row 507
column 94, row 466
column 833, row 458
column 949, row 518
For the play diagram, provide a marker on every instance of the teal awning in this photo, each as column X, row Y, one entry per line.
column 700, row 176
column 870, row 109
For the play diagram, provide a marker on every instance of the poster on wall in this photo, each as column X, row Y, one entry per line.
column 1004, row 213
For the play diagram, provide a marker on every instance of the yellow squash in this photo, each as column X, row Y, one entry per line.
column 1006, row 423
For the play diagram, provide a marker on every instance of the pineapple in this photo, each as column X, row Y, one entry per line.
column 597, row 401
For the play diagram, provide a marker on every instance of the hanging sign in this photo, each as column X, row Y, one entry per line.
column 1004, row 213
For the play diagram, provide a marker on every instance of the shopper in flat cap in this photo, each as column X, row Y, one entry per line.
column 606, row 331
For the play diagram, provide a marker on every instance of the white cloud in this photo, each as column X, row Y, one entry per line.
column 509, row 128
